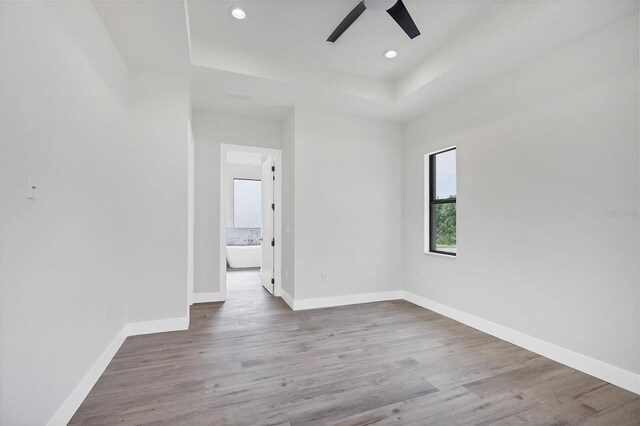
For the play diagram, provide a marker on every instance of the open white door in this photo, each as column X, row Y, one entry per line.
column 268, row 242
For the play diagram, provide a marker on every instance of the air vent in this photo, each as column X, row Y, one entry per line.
column 238, row 95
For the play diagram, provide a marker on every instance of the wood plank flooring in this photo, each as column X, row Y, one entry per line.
column 253, row 361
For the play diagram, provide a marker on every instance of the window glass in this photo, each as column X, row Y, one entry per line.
column 247, row 208
column 446, row 175
column 445, row 227
column 440, row 213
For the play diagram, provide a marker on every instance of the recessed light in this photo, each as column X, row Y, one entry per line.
column 390, row 54
column 237, row 13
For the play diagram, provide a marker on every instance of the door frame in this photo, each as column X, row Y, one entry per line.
column 277, row 216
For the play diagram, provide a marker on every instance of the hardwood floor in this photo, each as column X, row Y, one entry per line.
column 253, row 361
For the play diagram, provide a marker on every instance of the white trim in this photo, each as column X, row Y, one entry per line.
column 78, row 395
column 277, row 225
column 82, row 389
column 610, row 373
column 207, row 297
column 351, row 299
column 287, row 298
column 158, row 326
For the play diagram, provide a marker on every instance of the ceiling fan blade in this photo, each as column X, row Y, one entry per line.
column 346, row 22
column 401, row 15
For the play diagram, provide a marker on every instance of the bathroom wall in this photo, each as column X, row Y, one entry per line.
column 240, row 236
column 243, row 236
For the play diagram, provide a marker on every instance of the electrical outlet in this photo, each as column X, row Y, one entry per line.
column 323, row 277
column 207, row 273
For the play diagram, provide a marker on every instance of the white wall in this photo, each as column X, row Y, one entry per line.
column 543, row 153
column 348, row 204
column 63, row 118
column 191, row 167
column 288, row 204
column 157, row 194
column 209, row 132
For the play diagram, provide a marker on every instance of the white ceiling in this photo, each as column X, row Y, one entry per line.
column 297, row 30
column 278, row 55
column 150, row 35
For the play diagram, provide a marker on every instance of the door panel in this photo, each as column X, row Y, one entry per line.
column 266, row 270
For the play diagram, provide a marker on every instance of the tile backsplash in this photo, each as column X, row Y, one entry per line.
column 243, row 236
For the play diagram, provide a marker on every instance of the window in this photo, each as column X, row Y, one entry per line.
column 247, row 206
column 442, row 202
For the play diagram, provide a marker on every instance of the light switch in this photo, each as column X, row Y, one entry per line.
column 32, row 189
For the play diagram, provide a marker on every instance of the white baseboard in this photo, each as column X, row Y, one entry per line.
column 351, row 299
column 607, row 372
column 287, row 298
column 612, row 374
column 207, row 297
column 77, row 396
column 158, row 326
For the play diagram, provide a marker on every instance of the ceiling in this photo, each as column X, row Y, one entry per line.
column 297, row 31
column 279, row 57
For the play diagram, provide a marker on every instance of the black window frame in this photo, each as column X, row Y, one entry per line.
column 433, row 202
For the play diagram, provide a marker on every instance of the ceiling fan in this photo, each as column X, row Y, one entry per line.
column 395, row 8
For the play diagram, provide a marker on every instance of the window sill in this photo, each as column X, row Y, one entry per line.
column 451, row 256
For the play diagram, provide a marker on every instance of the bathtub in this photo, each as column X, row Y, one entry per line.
column 244, row 256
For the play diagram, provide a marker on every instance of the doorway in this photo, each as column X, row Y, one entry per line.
column 250, row 220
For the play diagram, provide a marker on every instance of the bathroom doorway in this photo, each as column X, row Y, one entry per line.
column 250, row 221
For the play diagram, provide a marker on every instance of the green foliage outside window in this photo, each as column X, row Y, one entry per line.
column 446, row 225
